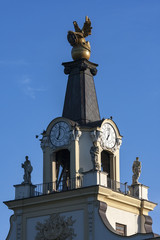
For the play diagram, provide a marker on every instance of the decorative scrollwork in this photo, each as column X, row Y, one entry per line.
column 94, row 151
column 76, row 134
column 96, row 136
column 44, row 142
column 55, row 228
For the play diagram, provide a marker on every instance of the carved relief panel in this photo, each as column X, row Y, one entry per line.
column 56, row 227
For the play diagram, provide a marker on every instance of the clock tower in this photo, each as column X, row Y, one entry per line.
column 81, row 196
column 69, row 140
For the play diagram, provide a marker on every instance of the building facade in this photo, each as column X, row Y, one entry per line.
column 81, row 196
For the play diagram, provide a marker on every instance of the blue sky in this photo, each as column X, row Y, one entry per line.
column 125, row 42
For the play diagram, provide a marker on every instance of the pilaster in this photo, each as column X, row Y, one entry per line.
column 74, row 153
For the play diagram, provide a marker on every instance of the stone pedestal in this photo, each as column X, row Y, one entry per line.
column 139, row 191
column 24, row 191
column 93, row 178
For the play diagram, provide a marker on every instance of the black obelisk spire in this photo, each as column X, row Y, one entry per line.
column 80, row 103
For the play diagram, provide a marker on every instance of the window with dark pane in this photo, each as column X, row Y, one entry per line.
column 121, row 229
column 105, row 162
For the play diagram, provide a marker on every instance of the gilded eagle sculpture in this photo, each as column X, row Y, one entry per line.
column 81, row 47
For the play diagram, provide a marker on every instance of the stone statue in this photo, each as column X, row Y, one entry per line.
column 27, row 171
column 56, row 227
column 94, row 151
column 136, row 168
column 81, row 47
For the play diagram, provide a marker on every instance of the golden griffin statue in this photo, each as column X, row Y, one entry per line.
column 81, row 47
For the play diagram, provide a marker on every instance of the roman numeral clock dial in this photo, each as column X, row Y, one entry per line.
column 108, row 135
column 60, row 134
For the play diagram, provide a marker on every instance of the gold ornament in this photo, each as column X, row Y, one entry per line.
column 81, row 47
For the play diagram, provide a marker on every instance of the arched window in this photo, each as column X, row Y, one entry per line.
column 106, row 163
column 62, row 169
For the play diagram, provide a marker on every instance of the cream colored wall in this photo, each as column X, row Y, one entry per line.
column 79, row 154
column 131, row 220
column 115, row 158
column 100, row 230
column 85, row 143
column 82, row 201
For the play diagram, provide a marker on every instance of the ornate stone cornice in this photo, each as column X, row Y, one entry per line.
column 45, row 142
column 119, row 143
column 96, row 136
column 80, row 65
column 75, row 135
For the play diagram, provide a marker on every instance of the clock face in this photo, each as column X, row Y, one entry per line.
column 108, row 135
column 60, row 134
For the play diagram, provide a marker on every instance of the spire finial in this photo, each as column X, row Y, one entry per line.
column 81, row 47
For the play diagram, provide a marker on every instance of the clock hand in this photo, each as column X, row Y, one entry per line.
column 58, row 133
column 108, row 136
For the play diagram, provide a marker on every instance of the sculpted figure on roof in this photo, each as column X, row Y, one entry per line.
column 136, row 168
column 81, row 47
column 27, row 171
